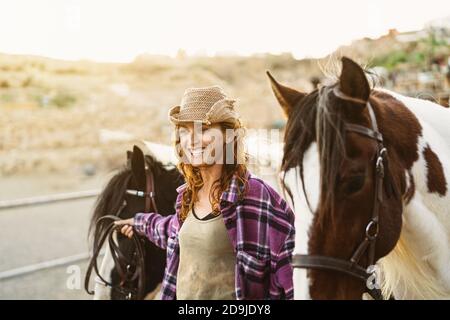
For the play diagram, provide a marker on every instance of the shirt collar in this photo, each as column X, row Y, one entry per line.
column 182, row 187
column 231, row 194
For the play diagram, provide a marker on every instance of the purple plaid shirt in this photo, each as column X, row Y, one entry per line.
column 261, row 229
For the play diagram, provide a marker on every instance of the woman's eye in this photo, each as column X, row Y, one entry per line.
column 353, row 184
column 183, row 132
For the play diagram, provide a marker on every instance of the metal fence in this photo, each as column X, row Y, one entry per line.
column 42, row 200
column 16, row 203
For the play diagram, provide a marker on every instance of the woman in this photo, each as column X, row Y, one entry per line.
column 232, row 235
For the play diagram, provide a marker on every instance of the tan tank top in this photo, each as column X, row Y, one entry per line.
column 207, row 260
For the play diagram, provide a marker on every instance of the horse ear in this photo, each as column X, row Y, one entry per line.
column 287, row 97
column 138, row 167
column 353, row 81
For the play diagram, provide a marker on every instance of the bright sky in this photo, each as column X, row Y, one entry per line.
column 118, row 30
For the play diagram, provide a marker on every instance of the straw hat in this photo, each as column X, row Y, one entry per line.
column 208, row 105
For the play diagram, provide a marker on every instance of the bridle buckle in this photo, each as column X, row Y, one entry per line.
column 379, row 164
column 372, row 230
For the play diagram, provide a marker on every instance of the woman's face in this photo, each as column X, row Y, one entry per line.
column 201, row 145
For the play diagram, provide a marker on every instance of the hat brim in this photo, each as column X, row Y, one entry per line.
column 174, row 114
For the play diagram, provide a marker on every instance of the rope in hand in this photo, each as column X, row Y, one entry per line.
column 121, row 262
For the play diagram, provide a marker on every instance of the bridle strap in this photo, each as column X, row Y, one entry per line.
column 150, row 186
column 121, row 263
column 329, row 263
column 338, row 93
column 364, row 131
column 149, row 194
column 149, row 200
column 338, row 265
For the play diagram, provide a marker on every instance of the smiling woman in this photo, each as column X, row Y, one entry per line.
column 217, row 241
column 210, row 137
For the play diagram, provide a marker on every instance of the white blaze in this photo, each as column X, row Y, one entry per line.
column 303, row 215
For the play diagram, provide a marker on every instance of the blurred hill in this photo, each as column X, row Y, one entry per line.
column 415, row 50
column 80, row 117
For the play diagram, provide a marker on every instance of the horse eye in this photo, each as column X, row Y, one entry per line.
column 353, row 184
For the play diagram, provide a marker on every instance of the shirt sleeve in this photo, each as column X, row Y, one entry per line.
column 155, row 227
column 284, row 271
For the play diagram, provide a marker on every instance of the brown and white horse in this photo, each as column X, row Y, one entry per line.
column 330, row 172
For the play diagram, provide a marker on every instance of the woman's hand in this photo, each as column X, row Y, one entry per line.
column 127, row 227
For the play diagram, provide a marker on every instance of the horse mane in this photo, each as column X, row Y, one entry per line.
column 404, row 274
column 315, row 118
column 298, row 137
column 111, row 197
column 331, row 68
column 330, row 138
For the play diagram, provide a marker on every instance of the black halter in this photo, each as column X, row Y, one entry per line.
column 351, row 266
column 121, row 263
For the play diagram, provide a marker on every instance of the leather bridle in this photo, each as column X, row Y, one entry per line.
column 149, row 193
column 121, row 263
column 351, row 267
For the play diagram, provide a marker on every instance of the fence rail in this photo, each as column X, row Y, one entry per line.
column 40, row 200
column 25, row 270
column 32, row 201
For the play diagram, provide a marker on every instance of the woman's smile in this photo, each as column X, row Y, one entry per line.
column 197, row 151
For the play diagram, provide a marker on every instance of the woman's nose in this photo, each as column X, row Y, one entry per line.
column 194, row 139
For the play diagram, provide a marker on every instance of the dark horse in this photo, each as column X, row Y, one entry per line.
column 368, row 172
column 115, row 200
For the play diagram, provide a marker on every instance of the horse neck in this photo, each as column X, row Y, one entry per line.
column 428, row 113
column 418, row 265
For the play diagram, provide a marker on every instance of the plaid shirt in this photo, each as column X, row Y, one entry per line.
column 261, row 229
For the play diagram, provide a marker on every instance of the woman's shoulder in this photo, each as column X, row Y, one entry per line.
column 264, row 191
column 260, row 187
column 267, row 201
